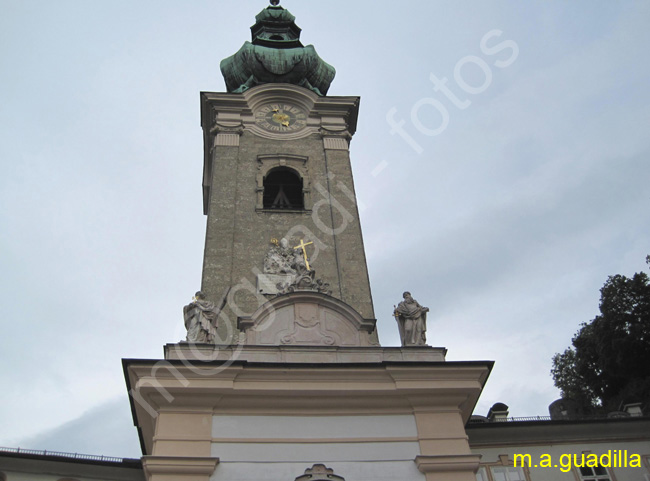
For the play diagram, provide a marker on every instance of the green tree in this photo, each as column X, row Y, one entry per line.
column 609, row 362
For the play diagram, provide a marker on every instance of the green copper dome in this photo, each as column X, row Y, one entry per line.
column 274, row 14
column 275, row 55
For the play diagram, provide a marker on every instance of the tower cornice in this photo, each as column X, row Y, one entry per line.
column 227, row 116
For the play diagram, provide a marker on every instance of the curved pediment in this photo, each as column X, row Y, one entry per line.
column 307, row 319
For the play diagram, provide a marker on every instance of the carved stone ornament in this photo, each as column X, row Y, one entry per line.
column 287, row 269
column 305, row 282
column 411, row 320
column 307, row 318
column 305, row 277
column 319, row 472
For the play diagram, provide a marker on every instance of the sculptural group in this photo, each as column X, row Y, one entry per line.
column 280, row 259
column 293, row 262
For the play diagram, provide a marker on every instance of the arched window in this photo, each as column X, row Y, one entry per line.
column 283, row 190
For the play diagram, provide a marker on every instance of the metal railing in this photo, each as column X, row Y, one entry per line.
column 593, row 417
column 84, row 457
column 527, row 418
column 509, row 420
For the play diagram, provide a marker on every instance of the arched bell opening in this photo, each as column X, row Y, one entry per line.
column 283, row 190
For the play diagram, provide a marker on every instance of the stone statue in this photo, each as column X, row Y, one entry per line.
column 300, row 264
column 411, row 320
column 201, row 320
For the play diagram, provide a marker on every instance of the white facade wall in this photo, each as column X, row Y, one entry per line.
column 358, row 448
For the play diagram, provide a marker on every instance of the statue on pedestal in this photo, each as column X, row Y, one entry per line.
column 201, row 320
column 411, row 320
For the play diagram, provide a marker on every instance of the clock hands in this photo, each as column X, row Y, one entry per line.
column 281, row 118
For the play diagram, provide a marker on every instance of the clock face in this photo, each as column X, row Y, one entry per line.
column 281, row 117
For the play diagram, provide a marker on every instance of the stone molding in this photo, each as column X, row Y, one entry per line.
column 227, row 128
column 436, row 385
column 173, row 465
column 305, row 354
column 285, row 440
column 327, row 116
column 448, row 463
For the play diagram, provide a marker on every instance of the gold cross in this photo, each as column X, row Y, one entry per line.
column 304, row 251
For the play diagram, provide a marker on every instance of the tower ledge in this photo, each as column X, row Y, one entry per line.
column 184, row 351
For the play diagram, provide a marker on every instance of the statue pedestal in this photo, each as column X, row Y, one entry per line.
column 268, row 283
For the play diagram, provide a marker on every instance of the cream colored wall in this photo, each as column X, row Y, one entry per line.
column 314, row 427
column 491, row 455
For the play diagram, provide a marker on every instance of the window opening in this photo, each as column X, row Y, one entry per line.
column 596, row 473
column 508, row 474
column 501, row 473
column 481, row 475
column 283, row 190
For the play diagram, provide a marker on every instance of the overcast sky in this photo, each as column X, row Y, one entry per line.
column 518, row 186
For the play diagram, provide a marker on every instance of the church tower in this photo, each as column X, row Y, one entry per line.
column 277, row 166
column 282, row 376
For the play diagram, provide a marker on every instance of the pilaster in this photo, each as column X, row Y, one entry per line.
column 451, row 467
column 178, row 468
